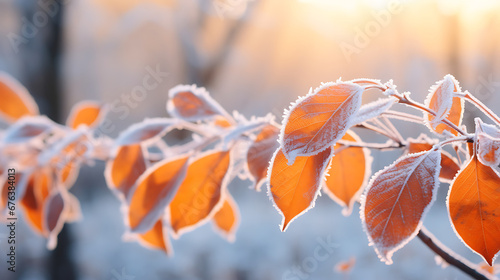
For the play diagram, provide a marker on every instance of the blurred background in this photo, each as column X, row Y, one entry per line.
column 254, row 56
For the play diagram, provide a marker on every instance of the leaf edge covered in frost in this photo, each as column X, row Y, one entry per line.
column 347, row 209
column 465, row 165
column 200, row 92
column 432, row 90
column 287, row 112
column 223, row 189
column 315, row 196
column 229, row 236
column 13, row 130
column 156, row 212
column 387, row 259
column 22, row 92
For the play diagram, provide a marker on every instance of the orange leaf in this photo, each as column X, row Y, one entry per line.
column 260, row 152
column 37, row 190
column 441, row 100
column 122, row 172
column 474, row 208
column 222, row 122
column 199, row 196
column 156, row 238
column 68, row 173
column 87, row 113
column 349, row 173
column 345, row 266
column 488, row 150
column 227, row 219
column 493, row 270
column 294, row 188
column 449, row 166
column 397, row 200
column 153, row 192
column 192, row 104
column 320, row 119
column 16, row 101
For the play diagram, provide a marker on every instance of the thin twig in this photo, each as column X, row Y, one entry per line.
column 403, row 116
column 408, row 101
column 469, row 97
column 378, row 130
column 381, row 125
column 449, row 256
column 394, row 130
column 387, row 146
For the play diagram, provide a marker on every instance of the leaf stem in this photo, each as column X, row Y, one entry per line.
column 449, row 256
column 393, row 128
column 469, row 97
column 380, row 131
column 402, row 116
column 390, row 145
column 456, row 139
column 405, row 99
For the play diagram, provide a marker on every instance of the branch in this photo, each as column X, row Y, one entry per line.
column 448, row 255
column 403, row 116
column 390, row 145
column 379, row 131
column 405, row 99
column 469, row 97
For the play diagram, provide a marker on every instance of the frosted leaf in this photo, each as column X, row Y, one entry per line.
column 192, row 103
column 54, row 216
column 27, row 128
column 89, row 113
column 197, row 198
column 16, row 100
column 488, row 149
column 153, row 191
column 444, row 100
column 473, row 208
column 227, row 218
column 294, row 188
column 317, row 121
column 260, row 153
column 397, row 199
column 489, row 129
column 349, row 173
